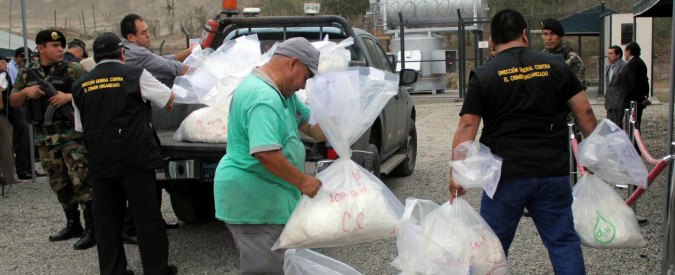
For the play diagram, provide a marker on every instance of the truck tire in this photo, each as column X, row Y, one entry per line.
column 372, row 160
column 407, row 167
column 192, row 201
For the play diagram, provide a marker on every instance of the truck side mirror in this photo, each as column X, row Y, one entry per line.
column 407, row 77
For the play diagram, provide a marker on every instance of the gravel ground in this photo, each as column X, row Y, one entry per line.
column 30, row 213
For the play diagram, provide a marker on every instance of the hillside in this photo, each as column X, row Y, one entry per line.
column 84, row 19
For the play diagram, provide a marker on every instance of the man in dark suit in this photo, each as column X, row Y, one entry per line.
column 634, row 81
column 613, row 99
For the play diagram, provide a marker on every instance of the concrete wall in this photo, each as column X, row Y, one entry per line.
column 642, row 32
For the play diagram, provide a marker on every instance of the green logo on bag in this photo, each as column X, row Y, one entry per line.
column 604, row 230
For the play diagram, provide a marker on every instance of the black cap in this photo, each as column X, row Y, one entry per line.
column 79, row 43
column 22, row 52
column 45, row 36
column 106, row 43
column 553, row 25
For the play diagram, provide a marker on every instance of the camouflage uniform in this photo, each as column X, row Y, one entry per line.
column 573, row 60
column 62, row 153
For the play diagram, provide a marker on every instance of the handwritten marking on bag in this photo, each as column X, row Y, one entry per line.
column 604, row 231
column 341, row 196
column 350, row 224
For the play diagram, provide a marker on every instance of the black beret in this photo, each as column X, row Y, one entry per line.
column 45, row 36
column 553, row 25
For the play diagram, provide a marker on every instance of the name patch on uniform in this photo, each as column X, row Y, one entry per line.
column 102, row 83
column 524, row 73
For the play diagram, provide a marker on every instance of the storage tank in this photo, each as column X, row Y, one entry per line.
column 424, row 53
column 427, row 10
column 425, row 50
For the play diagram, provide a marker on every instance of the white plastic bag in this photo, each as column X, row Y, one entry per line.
column 332, row 56
column 207, row 125
column 352, row 206
column 308, row 262
column 601, row 218
column 475, row 166
column 335, row 55
column 234, row 59
column 609, row 154
column 410, row 234
column 458, row 241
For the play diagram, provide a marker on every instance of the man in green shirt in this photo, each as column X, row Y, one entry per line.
column 260, row 180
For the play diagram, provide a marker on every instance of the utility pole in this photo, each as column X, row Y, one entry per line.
column 84, row 25
column 93, row 10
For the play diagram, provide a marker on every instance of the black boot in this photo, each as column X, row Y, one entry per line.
column 73, row 226
column 88, row 239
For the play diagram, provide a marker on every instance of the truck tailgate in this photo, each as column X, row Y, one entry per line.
column 180, row 149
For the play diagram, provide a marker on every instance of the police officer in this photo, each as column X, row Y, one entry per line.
column 522, row 97
column 113, row 110
column 58, row 145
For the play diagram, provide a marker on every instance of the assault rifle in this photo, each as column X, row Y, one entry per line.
column 49, row 90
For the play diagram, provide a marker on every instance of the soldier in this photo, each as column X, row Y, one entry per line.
column 58, row 145
column 552, row 33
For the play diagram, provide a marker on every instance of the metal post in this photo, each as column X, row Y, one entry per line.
column 668, row 253
column 30, row 128
column 630, row 130
column 461, row 53
column 572, row 162
column 475, row 49
column 402, row 37
column 601, row 45
column 480, row 52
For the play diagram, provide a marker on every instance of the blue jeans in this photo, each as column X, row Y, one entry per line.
column 549, row 200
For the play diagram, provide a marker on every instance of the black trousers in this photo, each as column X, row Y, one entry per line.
column 110, row 197
column 21, row 140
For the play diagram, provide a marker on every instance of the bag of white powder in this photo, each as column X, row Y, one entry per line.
column 601, row 218
column 352, row 206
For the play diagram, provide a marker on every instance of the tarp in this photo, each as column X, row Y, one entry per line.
column 10, row 42
column 586, row 22
column 653, row 8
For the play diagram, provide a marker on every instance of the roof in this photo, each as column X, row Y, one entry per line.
column 586, row 22
column 10, row 41
column 653, row 8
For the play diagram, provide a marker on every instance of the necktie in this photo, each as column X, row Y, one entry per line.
column 611, row 72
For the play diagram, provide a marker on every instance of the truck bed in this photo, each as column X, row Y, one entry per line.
column 191, row 150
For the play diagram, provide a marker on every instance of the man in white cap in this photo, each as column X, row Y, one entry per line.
column 260, row 180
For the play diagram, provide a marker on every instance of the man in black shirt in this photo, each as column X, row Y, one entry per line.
column 113, row 111
column 523, row 97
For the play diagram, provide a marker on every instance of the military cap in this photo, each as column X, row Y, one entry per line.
column 79, row 43
column 553, row 25
column 45, row 36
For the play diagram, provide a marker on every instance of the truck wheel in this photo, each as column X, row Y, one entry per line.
column 407, row 167
column 192, row 201
column 372, row 160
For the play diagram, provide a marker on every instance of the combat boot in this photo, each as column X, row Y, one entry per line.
column 73, row 226
column 88, row 239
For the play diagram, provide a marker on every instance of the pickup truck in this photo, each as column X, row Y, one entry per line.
column 388, row 147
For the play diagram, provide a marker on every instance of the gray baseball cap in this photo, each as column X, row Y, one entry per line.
column 300, row 48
